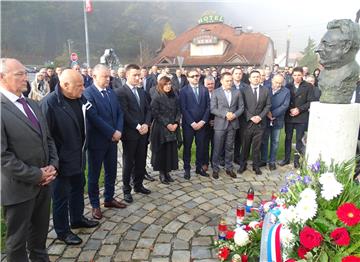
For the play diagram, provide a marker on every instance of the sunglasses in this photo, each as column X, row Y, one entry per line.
column 194, row 76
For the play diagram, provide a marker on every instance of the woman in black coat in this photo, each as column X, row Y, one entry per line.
column 164, row 136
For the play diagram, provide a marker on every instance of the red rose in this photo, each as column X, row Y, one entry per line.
column 230, row 235
column 244, row 258
column 302, row 251
column 247, row 228
column 351, row 259
column 290, row 260
column 310, row 238
column 223, row 253
column 340, row 236
column 349, row 214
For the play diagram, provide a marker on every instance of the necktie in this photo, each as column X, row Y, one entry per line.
column 29, row 113
column 255, row 93
column 136, row 95
column 105, row 95
column 197, row 94
column 228, row 98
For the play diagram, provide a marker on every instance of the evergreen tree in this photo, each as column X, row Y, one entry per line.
column 310, row 58
column 168, row 33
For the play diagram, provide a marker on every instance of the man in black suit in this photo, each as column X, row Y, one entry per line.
column 104, row 132
column 297, row 117
column 195, row 108
column 178, row 81
column 257, row 104
column 65, row 110
column 137, row 120
column 29, row 163
column 117, row 82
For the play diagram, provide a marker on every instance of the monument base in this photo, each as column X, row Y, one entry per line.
column 333, row 132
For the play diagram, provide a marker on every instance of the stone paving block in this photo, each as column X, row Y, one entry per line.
column 178, row 192
column 171, row 215
column 160, row 259
column 185, row 234
column 145, row 243
column 165, row 208
column 198, row 252
column 116, row 219
column 52, row 234
column 175, row 202
column 193, row 226
column 190, row 204
column 173, row 227
column 180, row 256
column 180, row 244
column 132, row 219
column 107, row 250
column 184, row 198
column 103, row 259
column 123, row 227
column 202, row 219
column 72, row 252
column 92, row 244
column 56, row 249
column 123, row 256
column 53, row 258
column 141, row 254
column 155, row 213
column 132, row 235
column 162, row 249
column 201, row 241
column 207, row 231
column 107, row 226
column 127, row 245
column 148, row 220
column 185, row 218
column 164, row 238
column 99, row 234
column 112, row 239
column 139, row 226
column 152, row 231
column 87, row 255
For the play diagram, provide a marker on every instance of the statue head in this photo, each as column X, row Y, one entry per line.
column 340, row 43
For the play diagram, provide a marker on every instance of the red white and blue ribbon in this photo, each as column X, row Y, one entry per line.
column 274, row 244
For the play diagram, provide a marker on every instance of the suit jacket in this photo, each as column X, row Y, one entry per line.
column 134, row 114
column 300, row 99
column 253, row 108
column 279, row 105
column 107, row 119
column 178, row 85
column 191, row 110
column 116, row 83
column 24, row 150
column 219, row 106
column 242, row 86
column 66, row 132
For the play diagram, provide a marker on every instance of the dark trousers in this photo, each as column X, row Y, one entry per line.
column 134, row 161
column 188, row 136
column 237, row 145
column 107, row 157
column 224, row 141
column 208, row 142
column 68, row 199
column 27, row 226
column 300, row 130
column 252, row 138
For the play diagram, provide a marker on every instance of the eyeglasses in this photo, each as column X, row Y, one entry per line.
column 194, row 76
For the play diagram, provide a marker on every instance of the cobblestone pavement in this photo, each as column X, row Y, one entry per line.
column 176, row 222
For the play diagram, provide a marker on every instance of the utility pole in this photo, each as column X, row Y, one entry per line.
column 287, row 47
column 86, row 36
column 69, row 42
column 141, row 54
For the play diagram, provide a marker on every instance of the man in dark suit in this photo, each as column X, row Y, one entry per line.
column 65, row 110
column 136, row 127
column 104, row 132
column 238, row 84
column 227, row 105
column 178, row 81
column 88, row 81
column 29, row 163
column 297, row 117
column 119, row 81
column 195, row 108
column 256, row 105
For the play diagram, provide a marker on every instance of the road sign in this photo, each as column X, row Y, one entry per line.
column 74, row 57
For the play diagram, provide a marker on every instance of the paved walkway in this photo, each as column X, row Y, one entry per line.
column 175, row 223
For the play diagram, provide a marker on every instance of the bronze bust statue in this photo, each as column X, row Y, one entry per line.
column 337, row 51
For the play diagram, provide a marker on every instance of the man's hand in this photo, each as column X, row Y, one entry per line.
column 256, row 119
column 294, row 111
column 230, row 116
column 116, row 136
column 48, row 175
column 211, row 122
column 143, row 129
column 195, row 126
column 171, row 127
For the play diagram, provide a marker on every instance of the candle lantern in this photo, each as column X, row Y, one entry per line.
column 249, row 199
column 222, row 229
column 240, row 214
column 273, row 196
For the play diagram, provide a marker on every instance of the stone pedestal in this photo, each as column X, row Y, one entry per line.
column 333, row 132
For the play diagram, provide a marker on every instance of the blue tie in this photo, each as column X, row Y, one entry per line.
column 136, row 95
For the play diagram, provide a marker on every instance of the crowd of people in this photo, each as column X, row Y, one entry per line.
column 81, row 114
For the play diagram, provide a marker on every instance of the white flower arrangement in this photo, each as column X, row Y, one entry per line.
column 241, row 237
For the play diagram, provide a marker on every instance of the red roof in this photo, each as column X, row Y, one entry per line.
column 250, row 48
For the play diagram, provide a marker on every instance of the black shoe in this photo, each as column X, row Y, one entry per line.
column 201, row 172
column 257, row 170
column 70, row 239
column 215, row 175
column 272, row 166
column 187, row 174
column 168, row 178
column 262, row 164
column 237, row 161
column 296, row 165
column 241, row 169
column 231, row 173
column 163, row 179
column 284, row 162
column 128, row 198
column 142, row 190
column 85, row 223
column 149, row 178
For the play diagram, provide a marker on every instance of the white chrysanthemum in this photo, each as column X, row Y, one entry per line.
column 241, row 237
column 308, row 194
column 288, row 215
column 254, row 224
column 330, row 192
column 327, row 178
column 306, row 209
column 287, row 237
column 280, row 201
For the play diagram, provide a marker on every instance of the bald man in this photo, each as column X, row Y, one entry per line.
column 66, row 110
column 29, row 164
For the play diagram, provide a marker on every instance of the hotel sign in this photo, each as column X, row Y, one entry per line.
column 205, row 40
column 211, row 19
